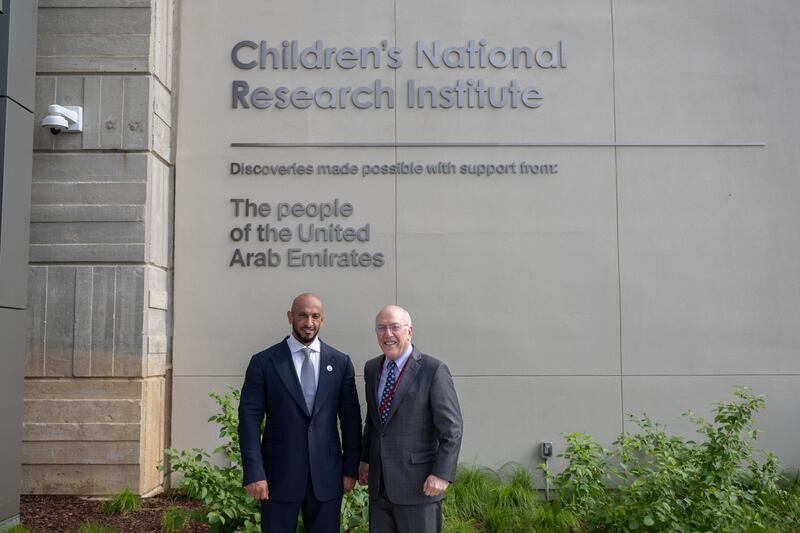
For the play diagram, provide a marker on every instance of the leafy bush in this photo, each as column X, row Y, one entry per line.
column 175, row 519
column 355, row 510
column 228, row 506
column 665, row 483
column 123, row 503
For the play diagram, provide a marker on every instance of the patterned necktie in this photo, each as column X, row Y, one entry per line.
column 386, row 396
column 307, row 381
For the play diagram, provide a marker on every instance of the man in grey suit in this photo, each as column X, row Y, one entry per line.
column 412, row 435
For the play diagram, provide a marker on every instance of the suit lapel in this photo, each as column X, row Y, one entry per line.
column 409, row 374
column 326, row 382
column 285, row 368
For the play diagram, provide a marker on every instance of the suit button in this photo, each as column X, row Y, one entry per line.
column 309, row 430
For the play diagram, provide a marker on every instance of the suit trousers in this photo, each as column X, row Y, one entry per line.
column 318, row 517
column 387, row 517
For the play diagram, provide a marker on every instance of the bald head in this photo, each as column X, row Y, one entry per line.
column 306, row 298
column 306, row 317
column 395, row 311
column 393, row 327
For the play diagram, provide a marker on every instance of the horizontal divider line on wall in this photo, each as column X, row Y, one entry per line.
column 588, row 144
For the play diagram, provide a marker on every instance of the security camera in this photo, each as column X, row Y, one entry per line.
column 63, row 118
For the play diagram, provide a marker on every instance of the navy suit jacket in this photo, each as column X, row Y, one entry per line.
column 296, row 442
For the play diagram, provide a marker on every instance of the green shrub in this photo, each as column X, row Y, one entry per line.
column 228, row 506
column 175, row 519
column 664, row 483
column 122, row 503
column 355, row 510
column 94, row 527
column 495, row 502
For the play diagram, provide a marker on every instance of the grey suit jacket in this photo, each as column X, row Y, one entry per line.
column 422, row 435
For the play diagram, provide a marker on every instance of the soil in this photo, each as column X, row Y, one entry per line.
column 66, row 514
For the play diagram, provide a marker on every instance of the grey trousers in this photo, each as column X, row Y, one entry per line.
column 387, row 517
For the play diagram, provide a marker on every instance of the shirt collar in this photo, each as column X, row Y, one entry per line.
column 400, row 361
column 295, row 345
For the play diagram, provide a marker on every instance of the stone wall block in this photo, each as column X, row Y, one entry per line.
column 94, row 3
column 152, row 438
column 162, row 102
column 110, row 122
column 103, row 305
column 82, row 347
column 92, row 253
column 59, row 321
column 129, row 333
column 163, row 37
column 162, row 121
column 114, row 39
column 158, row 299
column 87, row 480
column 156, row 322
column 87, row 213
column 136, row 113
column 156, row 344
column 36, row 320
column 162, row 138
column 83, row 389
column 90, row 167
column 92, row 92
column 80, row 432
column 113, row 193
column 82, row 411
column 99, row 21
column 87, row 232
column 160, row 214
column 81, row 452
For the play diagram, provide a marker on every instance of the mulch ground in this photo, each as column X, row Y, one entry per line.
column 66, row 514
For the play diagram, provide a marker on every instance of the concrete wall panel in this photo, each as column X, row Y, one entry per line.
column 542, row 290
column 708, row 248
column 666, row 398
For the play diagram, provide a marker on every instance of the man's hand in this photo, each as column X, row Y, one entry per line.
column 434, row 486
column 349, row 483
column 363, row 473
column 258, row 490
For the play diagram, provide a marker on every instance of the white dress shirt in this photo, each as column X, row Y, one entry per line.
column 297, row 347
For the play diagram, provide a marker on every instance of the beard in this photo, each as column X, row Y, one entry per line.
column 302, row 337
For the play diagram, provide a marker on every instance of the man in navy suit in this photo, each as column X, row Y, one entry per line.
column 299, row 464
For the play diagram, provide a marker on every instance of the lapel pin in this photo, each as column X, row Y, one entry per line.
column 329, row 368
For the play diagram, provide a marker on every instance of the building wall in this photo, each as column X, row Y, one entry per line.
column 653, row 272
column 100, row 257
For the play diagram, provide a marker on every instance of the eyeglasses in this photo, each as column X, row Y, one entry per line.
column 394, row 328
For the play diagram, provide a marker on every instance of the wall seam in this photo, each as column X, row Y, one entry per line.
column 396, row 254
column 616, row 209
